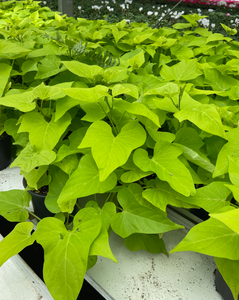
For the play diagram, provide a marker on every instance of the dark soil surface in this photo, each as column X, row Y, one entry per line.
column 34, row 257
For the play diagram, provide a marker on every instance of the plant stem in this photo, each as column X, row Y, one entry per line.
column 156, row 25
column 108, row 116
column 35, row 216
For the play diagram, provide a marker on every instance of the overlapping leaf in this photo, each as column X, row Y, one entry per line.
column 167, row 166
column 139, row 219
column 84, row 182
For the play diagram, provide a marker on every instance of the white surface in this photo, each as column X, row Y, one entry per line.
column 141, row 275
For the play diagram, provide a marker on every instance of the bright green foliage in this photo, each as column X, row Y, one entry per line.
column 136, row 218
column 62, row 247
column 84, row 182
column 167, row 166
column 13, row 205
column 18, row 239
column 147, row 116
column 110, row 152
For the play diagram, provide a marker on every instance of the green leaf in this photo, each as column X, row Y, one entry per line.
column 169, row 89
column 56, row 185
column 125, row 88
column 5, row 71
column 34, row 175
column 43, row 135
column 189, row 141
column 162, row 195
column 66, row 252
column 29, row 159
column 229, row 270
column 210, row 238
column 133, row 58
column 183, row 71
column 136, row 108
column 233, row 170
column 110, row 152
column 139, row 219
column 167, row 166
column 206, row 117
column 13, row 205
column 212, row 197
column 18, row 239
column 94, row 94
column 11, row 50
column 149, row 242
column 115, row 74
column 49, row 66
column 229, row 218
column 83, row 70
column 83, row 182
column 43, row 91
column 230, row 149
column 101, row 246
column 23, row 102
column 218, row 81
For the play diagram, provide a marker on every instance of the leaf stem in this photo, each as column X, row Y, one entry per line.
column 35, row 216
column 111, row 121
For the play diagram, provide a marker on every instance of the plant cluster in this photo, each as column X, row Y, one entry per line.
column 119, row 121
column 151, row 12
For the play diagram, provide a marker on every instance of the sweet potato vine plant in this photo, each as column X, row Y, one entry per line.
column 146, row 117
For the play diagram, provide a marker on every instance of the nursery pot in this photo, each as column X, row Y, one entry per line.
column 222, row 288
column 38, row 202
column 5, row 151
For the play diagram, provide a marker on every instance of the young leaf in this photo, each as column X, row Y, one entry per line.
column 29, row 159
column 183, row 71
column 218, row 81
column 210, row 238
column 167, row 166
column 133, row 58
column 125, row 88
column 205, row 117
column 18, row 239
column 13, row 205
column 66, row 252
column 136, row 108
column 149, row 242
column 189, row 141
column 136, row 218
column 229, row 270
column 23, row 102
column 83, row 70
column 110, row 152
column 12, row 50
column 162, row 195
column 94, row 94
column 56, row 185
column 83, row 182
column 43, row 135
column 211, row 197
column 229, row 218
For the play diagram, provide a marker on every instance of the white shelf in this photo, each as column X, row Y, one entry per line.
column 138, row 275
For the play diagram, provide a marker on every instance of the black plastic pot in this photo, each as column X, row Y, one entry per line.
column 5, row 151
column 38, row 202
column 222, row 288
